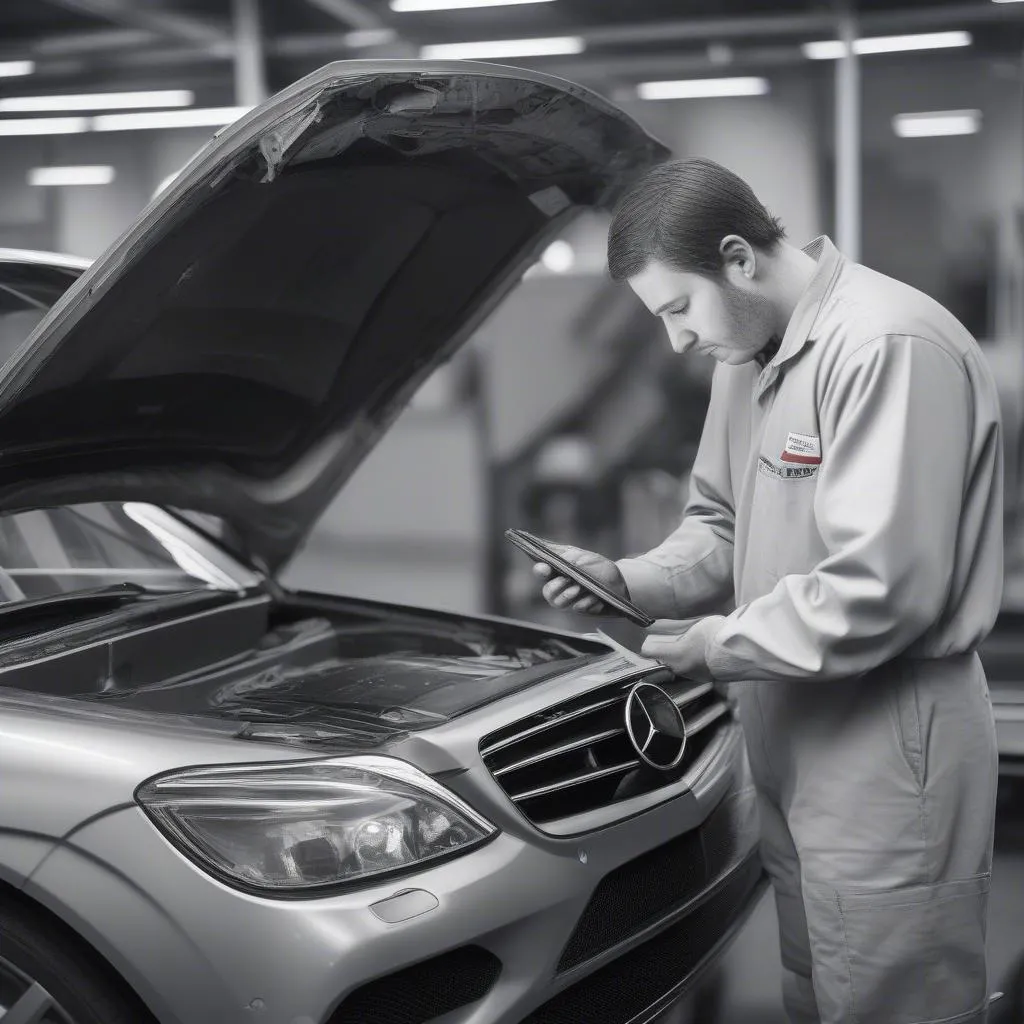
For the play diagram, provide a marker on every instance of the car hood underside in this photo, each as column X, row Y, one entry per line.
column 245, row 344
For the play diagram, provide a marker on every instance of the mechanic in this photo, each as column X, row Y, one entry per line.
column 837, row 566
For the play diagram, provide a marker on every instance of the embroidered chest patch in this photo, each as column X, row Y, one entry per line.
column 785, row 471
column 802, row 450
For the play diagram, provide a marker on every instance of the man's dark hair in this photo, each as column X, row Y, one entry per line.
column 679, row 212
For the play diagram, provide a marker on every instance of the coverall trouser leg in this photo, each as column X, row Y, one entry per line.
column 877, row 799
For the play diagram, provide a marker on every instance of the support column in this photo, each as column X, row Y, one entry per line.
column 847, row 142
column 250, row 69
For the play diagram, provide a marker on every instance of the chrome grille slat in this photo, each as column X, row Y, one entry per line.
column 691, row 695
column 706, row 718
column 575, row 757
column 544, row 726
column 576, row 780
column 563, row 748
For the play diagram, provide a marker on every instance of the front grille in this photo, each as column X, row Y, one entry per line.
column 424, row 991
column 648, row 888
column 616, row 993
column 576, row 756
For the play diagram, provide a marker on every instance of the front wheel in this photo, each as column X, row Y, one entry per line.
column 47, row 976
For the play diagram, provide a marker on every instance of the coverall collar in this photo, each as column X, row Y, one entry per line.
column 801, row 323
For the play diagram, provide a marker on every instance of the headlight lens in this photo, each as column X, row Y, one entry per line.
column 301, row 828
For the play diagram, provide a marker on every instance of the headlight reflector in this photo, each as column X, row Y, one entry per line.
column 298, row 828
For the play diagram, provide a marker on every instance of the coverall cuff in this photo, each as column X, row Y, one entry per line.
column 649, row 587
column 722, row 663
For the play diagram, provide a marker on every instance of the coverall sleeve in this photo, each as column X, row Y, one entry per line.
column 691, row 571
column 887, row 505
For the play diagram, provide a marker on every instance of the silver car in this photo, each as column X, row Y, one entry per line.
column 227, row 802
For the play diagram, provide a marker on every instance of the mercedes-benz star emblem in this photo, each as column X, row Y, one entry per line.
column 655, row 726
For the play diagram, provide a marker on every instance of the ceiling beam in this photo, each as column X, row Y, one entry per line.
column 166, row 23
column 67, row 43
column 125, row 49
column 742, row 27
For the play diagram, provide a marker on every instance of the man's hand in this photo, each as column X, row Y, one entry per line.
column 681, row 644
column 560, row 592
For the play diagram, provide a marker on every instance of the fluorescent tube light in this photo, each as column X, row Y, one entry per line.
column 833, row 49
column 361, row 37
column 505, row 48
column 87, row 174
column 407, row 6
column 1006, row 1
column 200, row 117
column 44, row 125
column 98, row 101
column 937, row 122
column 699, row 88
column 14, row 68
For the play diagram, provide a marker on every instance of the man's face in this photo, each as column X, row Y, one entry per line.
column 726, row 317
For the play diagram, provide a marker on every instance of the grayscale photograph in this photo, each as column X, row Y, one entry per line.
column 511, row 512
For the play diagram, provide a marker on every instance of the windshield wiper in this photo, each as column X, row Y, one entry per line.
column 89, row 599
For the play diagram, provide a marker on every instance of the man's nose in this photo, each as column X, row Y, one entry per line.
column 682, row 341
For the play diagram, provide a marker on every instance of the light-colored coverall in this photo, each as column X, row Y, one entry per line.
column 846, row 500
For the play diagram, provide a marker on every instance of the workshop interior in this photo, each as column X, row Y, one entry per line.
column 304, row 306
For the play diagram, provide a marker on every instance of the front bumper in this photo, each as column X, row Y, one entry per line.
column 607, row 928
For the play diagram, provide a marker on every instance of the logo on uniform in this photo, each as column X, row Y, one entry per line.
column 802, row 450
column 655, row 726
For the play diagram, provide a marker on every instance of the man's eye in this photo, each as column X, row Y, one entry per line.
column 679, row 311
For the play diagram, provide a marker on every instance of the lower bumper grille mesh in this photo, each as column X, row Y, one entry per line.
column 650, row 887
column 616, row 993
column 417, row 994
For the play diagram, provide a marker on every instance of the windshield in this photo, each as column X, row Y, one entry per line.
column 52, row 551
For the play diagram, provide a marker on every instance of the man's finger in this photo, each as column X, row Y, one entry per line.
column 542, row 569
column 668, row 628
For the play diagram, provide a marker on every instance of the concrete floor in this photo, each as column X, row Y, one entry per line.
column 752, row 965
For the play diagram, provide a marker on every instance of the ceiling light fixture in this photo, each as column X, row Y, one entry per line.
column 937, row 122
column 44, row 125
column 702, row 88
column 98, row 101
column 86, row 174
column 359, row 38
column 505, row 48
column 409, row 6
column 559, row 257
column 15, row 68
column 833, row 49
column 196, row 118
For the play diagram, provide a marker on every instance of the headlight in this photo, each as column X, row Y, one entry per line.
column 305, row 827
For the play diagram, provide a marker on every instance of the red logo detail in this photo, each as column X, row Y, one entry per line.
column 803, row 460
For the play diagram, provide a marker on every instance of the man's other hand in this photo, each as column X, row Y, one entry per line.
column 682, row 644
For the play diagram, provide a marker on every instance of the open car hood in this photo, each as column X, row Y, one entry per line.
column 246, row 342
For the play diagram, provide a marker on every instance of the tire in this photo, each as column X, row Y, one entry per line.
column 43, row 964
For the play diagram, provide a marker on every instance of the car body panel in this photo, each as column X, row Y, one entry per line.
column 216, row 952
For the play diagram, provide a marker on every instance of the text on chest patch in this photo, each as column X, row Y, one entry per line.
column 803, row 449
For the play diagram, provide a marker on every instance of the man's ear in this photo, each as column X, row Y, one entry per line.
column 738, row 257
